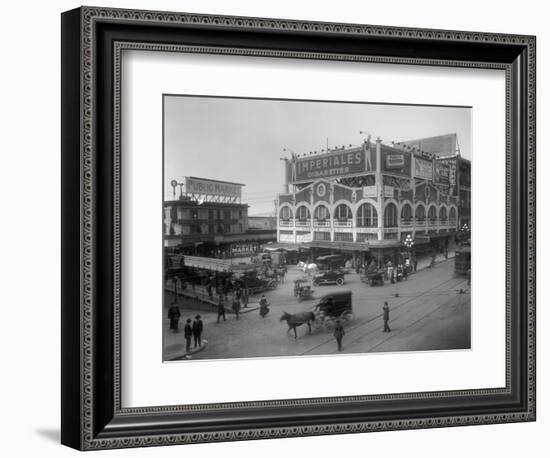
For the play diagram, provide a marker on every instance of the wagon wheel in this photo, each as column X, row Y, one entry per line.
column 317, row 323
column 329, row 323
column 348, row 316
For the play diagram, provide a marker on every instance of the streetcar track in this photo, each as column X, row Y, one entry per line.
column 401, row 330
column 369, row 320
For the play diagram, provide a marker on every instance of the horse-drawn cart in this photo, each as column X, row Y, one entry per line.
column 374, row 277
column 302, row 290
column 332, row 307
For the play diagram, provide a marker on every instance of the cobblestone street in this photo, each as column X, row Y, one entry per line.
column 427, row 312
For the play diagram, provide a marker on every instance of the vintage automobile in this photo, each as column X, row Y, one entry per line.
column 463, row 259
column 256, row 283
column 332, row 262
column 330, row 277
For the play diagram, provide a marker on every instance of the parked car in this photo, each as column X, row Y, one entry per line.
column 330, row 277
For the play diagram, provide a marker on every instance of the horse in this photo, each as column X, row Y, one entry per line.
column 297, row 319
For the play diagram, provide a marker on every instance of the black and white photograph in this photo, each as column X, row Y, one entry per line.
column 314, row 227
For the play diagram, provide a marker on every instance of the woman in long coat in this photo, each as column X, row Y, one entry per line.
column 174, row 315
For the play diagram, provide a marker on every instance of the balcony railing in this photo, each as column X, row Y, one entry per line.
column 366, row 230
column 286, row 223
column 321, row 223
column 343, row 223
column 419, row 224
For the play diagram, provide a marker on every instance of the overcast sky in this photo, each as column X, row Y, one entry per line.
column 242, row 140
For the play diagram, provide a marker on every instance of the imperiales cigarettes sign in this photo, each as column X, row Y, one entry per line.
column 338, row 163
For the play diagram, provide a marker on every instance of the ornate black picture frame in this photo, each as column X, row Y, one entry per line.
column 92, row 41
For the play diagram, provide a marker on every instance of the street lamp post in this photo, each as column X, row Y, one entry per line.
column 409, row 242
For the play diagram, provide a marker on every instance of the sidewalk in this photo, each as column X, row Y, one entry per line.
column 424, row 262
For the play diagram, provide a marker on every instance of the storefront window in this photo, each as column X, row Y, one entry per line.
column 342, row 213
column 443, row 214
column 302, row 213
column 432, row 213
column 366, row 216
column 452, row 213
column 390, row 215
column 286, row 213
column 406, row 212
column 321, row 213
column 420, row 213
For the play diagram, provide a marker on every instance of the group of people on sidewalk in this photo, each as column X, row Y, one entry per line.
column 192, row 330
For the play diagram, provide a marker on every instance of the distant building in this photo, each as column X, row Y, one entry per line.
column 209, row 219
column 447, row 152
column 365, row 200
column 262, row 222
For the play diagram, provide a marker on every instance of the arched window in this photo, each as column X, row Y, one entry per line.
column 390, row 215
column 302, row 213
column 420, row 213
column 342, row 213
column 432, row 213
column 452, row 213
column 406, row 212
column 285, row 213
column 366, row 216
column 443, row 214
column 322, row 213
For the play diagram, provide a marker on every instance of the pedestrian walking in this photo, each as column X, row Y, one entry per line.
column 264, row 309
column 246, row 293
column 209, row 290
column 415, row 263
column 221, row 309
column 197, row 331
column 175, row 287
column 188, row 333
column 339, row 333
column 174, row 315
column 389, row 271
column 236, row 307
column 386, row 310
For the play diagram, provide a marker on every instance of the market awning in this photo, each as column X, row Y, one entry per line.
column 274, row 246
column 343, row 246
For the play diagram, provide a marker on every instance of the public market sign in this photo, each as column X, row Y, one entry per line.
column 211, row 187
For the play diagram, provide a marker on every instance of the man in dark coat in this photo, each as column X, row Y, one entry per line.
column 188, row 333
column 221, row 309
column 339, row 333
column 386, row 310
column 236, row 306
column 197, row 331
column 174, row 316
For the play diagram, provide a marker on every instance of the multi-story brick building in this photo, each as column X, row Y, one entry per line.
column 209, row 219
